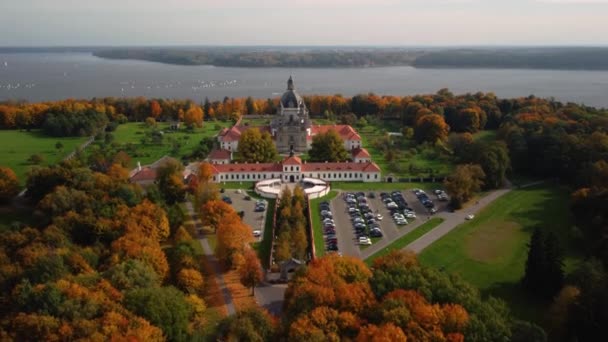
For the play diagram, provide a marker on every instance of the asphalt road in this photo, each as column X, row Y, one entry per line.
column 344, row 228
column 251, row 218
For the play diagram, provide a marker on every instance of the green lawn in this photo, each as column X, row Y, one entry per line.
column 382, row 186
column 133, row 132
column 410, row 160
column 406, row 239
column 490, row 251
column 17, row 146
column 317, row 227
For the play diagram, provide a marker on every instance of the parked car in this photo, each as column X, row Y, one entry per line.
column 247, row 198
column 227, row 199
column 257, row 233
column 365, row 241
column 470, row 217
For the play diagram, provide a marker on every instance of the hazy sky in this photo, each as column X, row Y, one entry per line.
column 303, row 22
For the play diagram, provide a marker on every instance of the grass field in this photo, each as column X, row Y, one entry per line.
column 490, row 251
column 317, row 228
column 406, row 239
column 410, row 160
column 17, row 146
column 133, row 132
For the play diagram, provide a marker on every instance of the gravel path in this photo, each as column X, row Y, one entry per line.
column 212, row 260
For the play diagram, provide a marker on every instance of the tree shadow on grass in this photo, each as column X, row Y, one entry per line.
column 521, row 304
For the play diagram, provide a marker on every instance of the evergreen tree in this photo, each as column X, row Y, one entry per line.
column 206, row 106
column 533, row 278
column 554, row 272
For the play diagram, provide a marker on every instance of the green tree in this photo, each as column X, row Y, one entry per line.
column 132, row 274
column 252, row 324
column 328, row 147
column 165, row 307
column 257, row 147
column 170, row 183
column 35, row 159
column 493, row 159
column 59, row 146
column 554, row 268
column 533, row 277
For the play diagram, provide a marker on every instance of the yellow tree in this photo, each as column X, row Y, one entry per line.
column 194, row 116
column 9, row 185
column 233, row 237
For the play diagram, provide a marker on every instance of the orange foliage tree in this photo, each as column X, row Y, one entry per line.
column 194, row 116
column 212, row 212
column 9, row 185
column 233, row 237
column 250, row 271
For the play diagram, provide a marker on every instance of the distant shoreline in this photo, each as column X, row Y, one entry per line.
column 499, row 58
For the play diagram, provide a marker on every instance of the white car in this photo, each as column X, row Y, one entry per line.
column 257, row 233
column 401, row 222
column 470, row 217
column 365, row 241
column 410, row 215
column 239, row 191
column 379, row 217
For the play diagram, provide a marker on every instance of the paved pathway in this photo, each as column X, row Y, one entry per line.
column 212, row 260
column 453, row 220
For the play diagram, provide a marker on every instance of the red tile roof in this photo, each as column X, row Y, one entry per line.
column 362, row 167
column 146, row 174
column 219, row 154
column 346, row 132
column 232, row 134
column 293, row 160
column 264, row 167
column 360, row 153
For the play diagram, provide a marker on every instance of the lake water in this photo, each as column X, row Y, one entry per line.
column 39, row 77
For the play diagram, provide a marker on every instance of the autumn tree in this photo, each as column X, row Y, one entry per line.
column 493, row 159
column 431, row 128
column 205, row 189
column 194, row 116
column 155, row 109
column 214, row 211
column 328, row 147
column 250, row 272
column 170, row 181
column 384, row 333
column 9, row 185
column 233, row 237
column 251, row 324
column 255, row 146
column 190, row 280
column 463, row 183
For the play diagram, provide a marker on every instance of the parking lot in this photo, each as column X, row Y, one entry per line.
column 351, row 228
column 251, row 217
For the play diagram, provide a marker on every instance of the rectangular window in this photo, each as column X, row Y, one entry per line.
column 376, row 176
column 367, row 176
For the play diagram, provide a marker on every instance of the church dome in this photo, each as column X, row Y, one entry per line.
column 291, row 99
